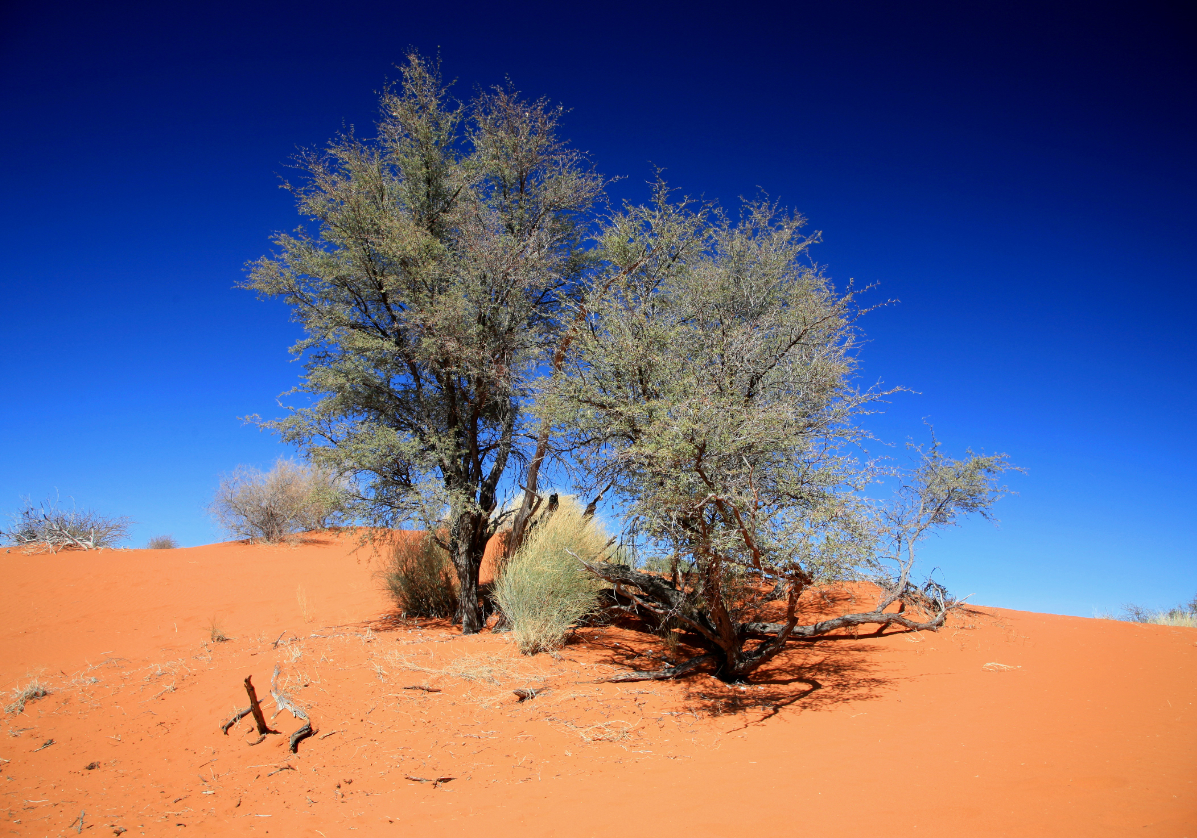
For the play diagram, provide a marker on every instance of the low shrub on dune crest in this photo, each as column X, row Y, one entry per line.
column 1184, row 616
column 162, row 542
column 49, row 527
column 272, row 506
column 544, row 589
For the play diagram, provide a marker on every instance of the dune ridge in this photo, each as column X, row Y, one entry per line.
column 1005, row 723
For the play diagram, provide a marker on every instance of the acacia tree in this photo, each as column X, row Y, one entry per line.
column 429, row 291
column 712, row 388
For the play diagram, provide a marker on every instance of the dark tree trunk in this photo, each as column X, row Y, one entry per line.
column 467, row 545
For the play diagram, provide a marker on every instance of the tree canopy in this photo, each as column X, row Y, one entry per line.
column 429, row 290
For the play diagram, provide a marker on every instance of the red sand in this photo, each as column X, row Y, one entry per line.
column 1090, row 731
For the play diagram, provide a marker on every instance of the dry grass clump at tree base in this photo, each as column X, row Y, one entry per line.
column 33, row 690
column 420, row 576
column 162, row 542
column 544, row 589
column 50, row 528
column 275, row 505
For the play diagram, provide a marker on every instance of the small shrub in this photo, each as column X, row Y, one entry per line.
column 50, row 527
column 162, row 542
column 1184, row 616
column 272, row 506
column 33, row 690
column 544, row 589
column 420, row 577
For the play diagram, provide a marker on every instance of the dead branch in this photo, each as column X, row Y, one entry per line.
column 238, row 716
column 424, row 688
column 868, row 618
column 256, row 708
column 300, row 735
column 287, row 767
column 525, row 695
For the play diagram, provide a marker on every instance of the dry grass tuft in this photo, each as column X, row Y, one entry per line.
column 544, row 589
column 305, row 606
column 35, row 689
column 162, row 542
column 216, row 630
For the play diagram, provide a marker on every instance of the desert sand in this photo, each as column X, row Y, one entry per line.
column 1004, row 723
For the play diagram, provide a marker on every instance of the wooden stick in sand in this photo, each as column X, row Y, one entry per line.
column 256, row 708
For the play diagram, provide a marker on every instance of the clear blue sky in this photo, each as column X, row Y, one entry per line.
column 1020, row 177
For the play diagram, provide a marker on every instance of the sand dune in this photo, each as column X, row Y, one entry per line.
column 1005, row 723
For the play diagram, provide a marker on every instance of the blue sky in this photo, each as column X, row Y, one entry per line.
column 1020, row 177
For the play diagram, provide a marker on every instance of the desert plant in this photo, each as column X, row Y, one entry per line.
column 543, row 589
column 49, row 527
column 427, row 287
column 272, row 506
column 1182, row 615
column 162, row 542
column 216, row 630
column 420, row 576
column 33, row 690
column 714, row 389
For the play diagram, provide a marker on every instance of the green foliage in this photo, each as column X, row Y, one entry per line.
column 543, row 590
column 272, row 506
column 714, row 388
column 427, row 289
column 50, row 527
column 419, row 576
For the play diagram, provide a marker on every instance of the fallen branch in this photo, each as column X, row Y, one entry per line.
column 285, row 702
column 300, row 735
column 525, row 695
column 256, row 708
column 238, row 716
column 274, row 645
column 45, row 745
column 287, row 767
column 422, row 687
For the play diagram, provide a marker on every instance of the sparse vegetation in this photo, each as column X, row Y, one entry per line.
column 419, row 576
column 714, row 390
column 428, row 288
column 216, row 630
column 1182, row 615
column 162, row 542
column 273, row 506
column 20, row 696
column 544, row 589
column 48, row 527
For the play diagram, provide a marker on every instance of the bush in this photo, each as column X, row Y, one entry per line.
column 544, row 589
column 420, row 577
column 162, row 542
column 272, row 506
column 49, row 527
column 1181, row 615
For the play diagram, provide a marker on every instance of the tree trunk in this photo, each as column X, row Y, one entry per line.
column 467, row 545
